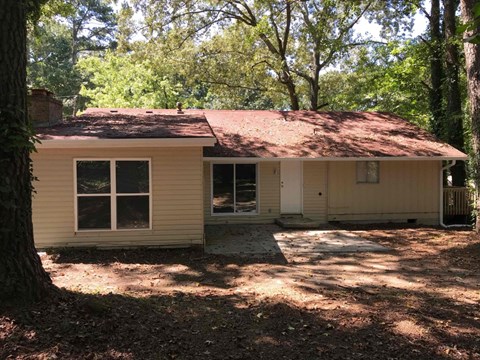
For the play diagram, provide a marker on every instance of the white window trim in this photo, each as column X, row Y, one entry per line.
column 257, row 188
column 366, row 181
column 113, row 194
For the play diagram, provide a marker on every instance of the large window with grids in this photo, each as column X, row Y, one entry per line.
column 113, row 194
column 234, row 189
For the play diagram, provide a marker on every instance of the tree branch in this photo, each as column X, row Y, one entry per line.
column 236, row 86
column 302, row 75
column 333, row 50
column 425, row 12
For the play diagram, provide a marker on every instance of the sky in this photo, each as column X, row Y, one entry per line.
column 364, row 27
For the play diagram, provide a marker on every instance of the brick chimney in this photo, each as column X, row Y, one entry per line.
column 43, row 108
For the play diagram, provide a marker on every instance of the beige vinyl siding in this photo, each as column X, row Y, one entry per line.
column 406, row 190
column 268, row 196
column 177, row 200
column 314, row 183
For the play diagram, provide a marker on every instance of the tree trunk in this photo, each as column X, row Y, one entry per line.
column 21, row 272
column 436, row 71
column 472, row 59
column 287, row 80
column 314, row 88
column 453, row 114
column 74, row 48
column 314, row 80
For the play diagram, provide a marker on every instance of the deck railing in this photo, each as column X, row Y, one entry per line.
column 457, row 201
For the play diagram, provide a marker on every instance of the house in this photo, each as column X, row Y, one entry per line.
column 130, row 177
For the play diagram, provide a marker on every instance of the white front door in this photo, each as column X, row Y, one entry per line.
column 291, row 187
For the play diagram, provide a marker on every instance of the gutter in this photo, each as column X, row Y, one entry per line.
column 442, row 224
column 88, row 142
column 373, row 158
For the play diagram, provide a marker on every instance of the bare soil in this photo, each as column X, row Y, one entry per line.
column 421, row 300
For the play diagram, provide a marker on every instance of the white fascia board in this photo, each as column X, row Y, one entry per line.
column 377, row 158
column 124, row 143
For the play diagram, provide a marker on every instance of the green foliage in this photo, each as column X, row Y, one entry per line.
column 65, row 31
column 14, row 135
column 392, row 78
column 293, row 41
column 472, row 26
column 126, row 28
column 16, row 138
column 34, row 10
column 122, row 81
column 237, row 73
column 50, row 64
column 238, row 58
column 93, row 26
column 53, row 8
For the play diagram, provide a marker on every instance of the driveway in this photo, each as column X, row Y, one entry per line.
column 274, row 240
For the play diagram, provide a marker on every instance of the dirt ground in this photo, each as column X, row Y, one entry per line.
column 421, row 300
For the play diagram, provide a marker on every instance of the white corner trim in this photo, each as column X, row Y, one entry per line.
column 124, row 143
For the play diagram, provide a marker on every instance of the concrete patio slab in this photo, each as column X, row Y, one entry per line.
column 273, row 240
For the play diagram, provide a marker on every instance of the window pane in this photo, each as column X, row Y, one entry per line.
column 94, row 212
column 372, row 172
column 246, row 188
column 361, row 171
column 93, row 177
column 223, row 188
column 133, row 212
column 132, row 177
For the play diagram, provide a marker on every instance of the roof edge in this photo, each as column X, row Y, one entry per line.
column 372, row 158
column 124, row 143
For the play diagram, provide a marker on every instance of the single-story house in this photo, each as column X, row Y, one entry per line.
column 130, row 177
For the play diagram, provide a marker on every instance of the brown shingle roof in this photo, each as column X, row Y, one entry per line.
column 128, row 124
column 268, row 134
column 311, row 134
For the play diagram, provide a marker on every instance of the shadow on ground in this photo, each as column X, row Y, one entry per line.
column 184, row 326
column 154, row 256
column 420, row 301
column 148, row 269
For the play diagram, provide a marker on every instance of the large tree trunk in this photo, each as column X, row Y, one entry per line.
column 21, row 272
column 314, row 89
column 436, row 70
column 453, row 114
column 287, row 81
column 472, row 59
column 313, row 82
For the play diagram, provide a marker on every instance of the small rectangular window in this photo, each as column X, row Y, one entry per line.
column 113, row 194
column 234, row 188
column 368, row 172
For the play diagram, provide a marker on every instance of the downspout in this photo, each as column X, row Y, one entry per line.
column 442, row 224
